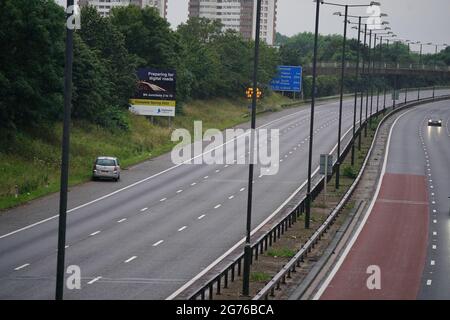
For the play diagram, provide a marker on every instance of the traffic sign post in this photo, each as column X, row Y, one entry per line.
column 288, row 79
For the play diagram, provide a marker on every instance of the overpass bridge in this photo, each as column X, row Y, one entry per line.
column 389, row 69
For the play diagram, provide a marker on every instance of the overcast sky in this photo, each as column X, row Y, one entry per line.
column 418, row 20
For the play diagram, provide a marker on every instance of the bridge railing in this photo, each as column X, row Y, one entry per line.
column 378, row 65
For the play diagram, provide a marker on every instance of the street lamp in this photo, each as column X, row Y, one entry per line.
column 62, row 221
column 346, row 6
column 311, row 137
column 356, row 92
column 248, row 248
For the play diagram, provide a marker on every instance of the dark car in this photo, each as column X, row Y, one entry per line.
column 434, row 123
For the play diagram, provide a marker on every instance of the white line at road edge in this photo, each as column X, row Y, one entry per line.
column 146, row 179
column 213, row 264
column 22, row 266
column 94, row 280
column 362, row 224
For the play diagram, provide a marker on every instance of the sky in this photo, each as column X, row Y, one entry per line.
column 416, row 20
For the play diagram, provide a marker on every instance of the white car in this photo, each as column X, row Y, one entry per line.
column 106, row 167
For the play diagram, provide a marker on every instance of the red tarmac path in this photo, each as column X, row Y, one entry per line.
column 393, row 238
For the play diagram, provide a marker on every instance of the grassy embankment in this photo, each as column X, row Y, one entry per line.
column 32, row 164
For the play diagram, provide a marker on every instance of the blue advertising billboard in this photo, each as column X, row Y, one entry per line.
column 289, row 78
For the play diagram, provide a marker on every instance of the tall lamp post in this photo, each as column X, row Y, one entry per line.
column 341, row 99
column 358, row 53
column 356, row 92
column 311, row 122
column 435, row 61
column 421, row 67
column 248, row 248
column 62, row 222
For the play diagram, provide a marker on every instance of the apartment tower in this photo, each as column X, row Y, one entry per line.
column 239, row 15
column 104, row 6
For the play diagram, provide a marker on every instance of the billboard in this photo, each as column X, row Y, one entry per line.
column 155, row 94
column 289, row 78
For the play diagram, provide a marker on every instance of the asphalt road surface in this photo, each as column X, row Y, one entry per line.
column 407, row 232
column 146, row 236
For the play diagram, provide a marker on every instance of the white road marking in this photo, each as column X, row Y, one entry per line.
column 217, row 171
column 432, row 262
column 163, row 199
column 201, row 217
column 218, row 206
column 94, row 280
column 130, row 259
column 242, row 189
column 180, row 191
column 122, row 220
column 22, row 266
column 428, row 282
column 434, row 247
column 435, row 221
column 230, row 197
column 369, row 210
column 149, row 178
column 182, row 228
column 158, row 243
column 144, row 209
column 95, row 233
column 434, row 233
column 66, row 246
column 205, row 177
column 226, row 166
column 193, row 183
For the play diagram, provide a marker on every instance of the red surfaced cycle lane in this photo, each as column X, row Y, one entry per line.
column 394, row 238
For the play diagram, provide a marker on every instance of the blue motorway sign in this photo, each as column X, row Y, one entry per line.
column 289, row 78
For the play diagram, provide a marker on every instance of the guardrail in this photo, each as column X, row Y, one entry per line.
column 290, row 267
column 261, row 244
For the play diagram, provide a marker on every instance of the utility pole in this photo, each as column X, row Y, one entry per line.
column 311, row 122
column 338, row 160
column 248, row 248
column 356, row 92
column 60, row 268
column 362, row 92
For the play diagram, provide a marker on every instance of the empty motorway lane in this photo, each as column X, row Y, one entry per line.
column 407, row 232
column 163, row 226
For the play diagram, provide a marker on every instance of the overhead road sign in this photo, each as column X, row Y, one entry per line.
column 289, row 78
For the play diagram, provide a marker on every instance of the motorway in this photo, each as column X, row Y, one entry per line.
column 407, row 231
column 148, row 235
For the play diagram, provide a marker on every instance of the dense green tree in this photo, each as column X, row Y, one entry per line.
column 31, row 62
column 101, row 36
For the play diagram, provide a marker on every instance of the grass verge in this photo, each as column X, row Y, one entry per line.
column 31, row 165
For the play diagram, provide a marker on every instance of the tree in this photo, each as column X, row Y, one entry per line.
column 31, row 63
column 101, row 36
